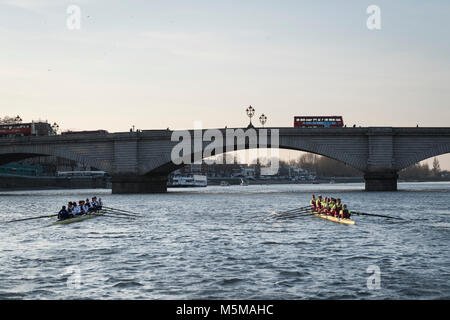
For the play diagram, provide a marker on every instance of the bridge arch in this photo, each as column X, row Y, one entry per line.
column 164, row 165
column 17, row 153
column 433, row 151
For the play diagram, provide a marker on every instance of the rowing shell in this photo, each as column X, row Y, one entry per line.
column 78, row 219
column 334, row 219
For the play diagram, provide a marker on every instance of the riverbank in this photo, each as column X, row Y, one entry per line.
column 15, row 182
column 237, row 181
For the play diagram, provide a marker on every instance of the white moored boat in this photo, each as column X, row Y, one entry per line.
column 194, row 180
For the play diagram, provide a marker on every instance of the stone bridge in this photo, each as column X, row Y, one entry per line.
column 139, row 162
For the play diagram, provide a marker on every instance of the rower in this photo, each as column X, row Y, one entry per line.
column 69, row 207
column 345, row 213
column 82, row 207
column 313, row 202
column 338, row 207
column 86, row 206
column 330, row 206
column 323, row 205
column 76, row 209
column 319, row 203
column 92, row 205
column 326, row 206
column 96, row 203
column 100, row 204
column 63, row 214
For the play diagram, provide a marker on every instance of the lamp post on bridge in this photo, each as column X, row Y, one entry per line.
column 55, row 127
column 250, row 113
column 263, row 119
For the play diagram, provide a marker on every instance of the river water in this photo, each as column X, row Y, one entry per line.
column 227, row 243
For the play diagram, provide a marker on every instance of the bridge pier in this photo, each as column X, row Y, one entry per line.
column 381, row 181
column 124, row 184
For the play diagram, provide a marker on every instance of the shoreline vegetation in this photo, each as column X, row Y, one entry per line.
column 326, row 167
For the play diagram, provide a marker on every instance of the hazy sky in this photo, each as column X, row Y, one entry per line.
column 159, row 64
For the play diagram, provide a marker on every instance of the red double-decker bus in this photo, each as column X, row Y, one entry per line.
column 25, row 129
column 318, row 122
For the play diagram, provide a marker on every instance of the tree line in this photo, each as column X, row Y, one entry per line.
column 423, row 171
column 326, row 167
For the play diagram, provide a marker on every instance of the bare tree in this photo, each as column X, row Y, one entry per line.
column 436, row 167
column 10, row 120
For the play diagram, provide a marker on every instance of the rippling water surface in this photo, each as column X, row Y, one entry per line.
column 226, row 243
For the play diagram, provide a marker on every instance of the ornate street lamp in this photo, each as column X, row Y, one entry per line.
column 250, row 113
column 263, row 119
column 55, row 128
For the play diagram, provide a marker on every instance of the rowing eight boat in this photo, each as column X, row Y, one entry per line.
column 78, row 219
column 338, row 220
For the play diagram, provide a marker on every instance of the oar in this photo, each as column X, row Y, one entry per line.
column 296, row 214
column 40, row 217
column 292, row 210
column 292, row 216
column 119, row 217
column 120, row 210
column 119, row 213
column 375, row 215
column 295, row 209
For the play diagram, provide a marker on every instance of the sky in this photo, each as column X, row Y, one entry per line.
column 159, row 64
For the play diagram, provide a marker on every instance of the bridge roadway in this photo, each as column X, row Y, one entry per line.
column 139, row 162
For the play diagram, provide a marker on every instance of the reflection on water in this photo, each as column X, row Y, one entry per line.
column 223, row 242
